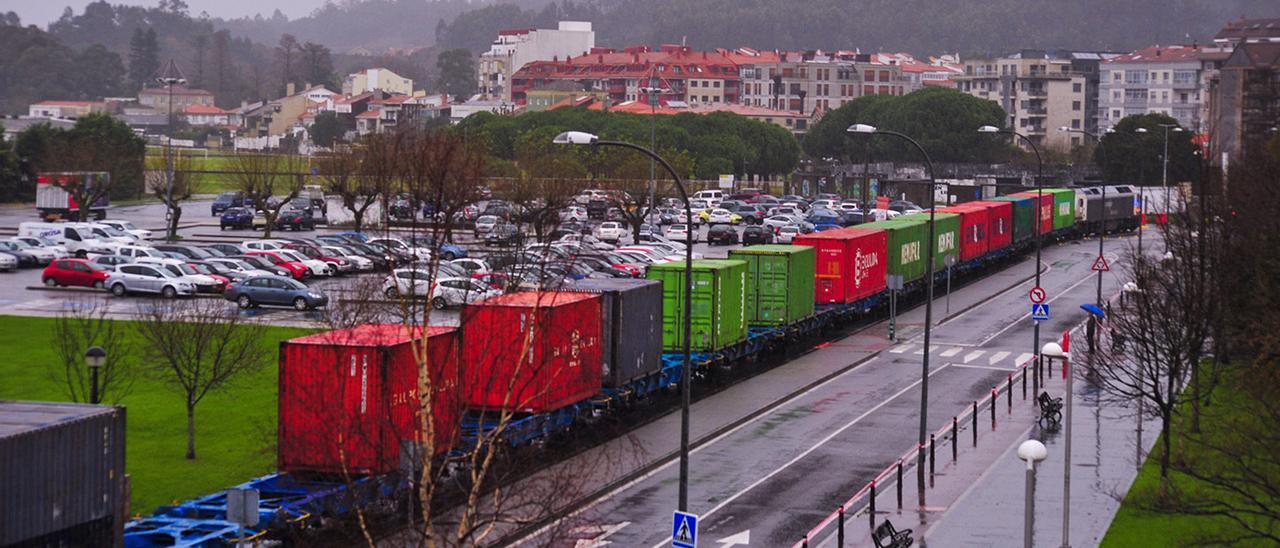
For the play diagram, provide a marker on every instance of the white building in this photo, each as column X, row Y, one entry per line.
column 376, row 79
column 1163, row 79
column 515, row 47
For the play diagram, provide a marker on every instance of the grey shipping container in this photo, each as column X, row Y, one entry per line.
column 62, row 472
column 632, row 314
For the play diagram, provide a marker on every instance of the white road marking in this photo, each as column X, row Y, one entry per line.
column 1089, row 278
column 973, row 355
column 806, row 452
column 987, row 367
column 951, row 351
column 902, row 348
column 1023, row 358
column 997, row 357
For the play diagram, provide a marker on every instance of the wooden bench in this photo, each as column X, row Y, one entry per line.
column 885, row 536
column 1050, row 408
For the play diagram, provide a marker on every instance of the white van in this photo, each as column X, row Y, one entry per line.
column 78, row 238
column 713, row 197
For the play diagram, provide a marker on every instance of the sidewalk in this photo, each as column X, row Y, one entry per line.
column 1104, row 463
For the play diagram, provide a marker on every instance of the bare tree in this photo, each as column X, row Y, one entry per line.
column 77, row 328
column 157, row 181
column 197, row 347
column 261, row 176
column 340, row 173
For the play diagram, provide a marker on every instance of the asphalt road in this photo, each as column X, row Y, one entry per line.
column 778, row 475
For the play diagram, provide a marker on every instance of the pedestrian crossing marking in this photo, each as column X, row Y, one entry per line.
column 973, row 355
column 997, row 357
column 901, row 349
column 952, row 351
column 1023, row 358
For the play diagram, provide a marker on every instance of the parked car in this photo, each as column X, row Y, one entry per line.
column 74, row 273
column 485, row 223
column 148, row 278
column 43, row 255
column 445, row 292
column 587, row 241
column 400, row 246
column 358, row 262
column 8, row 263
column 448, row 250
column 225, row 201
column 25, row 260
column 182, row 269
column 505, row 235
column 274, row 290
column 128, row 228
column 296, row 269
column 722, row 234
column 788, row 233
column 471, row 265
column 110, row 233
column 263, row 263
column 757, row 235
column 719, row 216
column 109, row 262
column 188, row 251
column 295, row 219
column 680, row 232
column 226, row 249
column 44, row 243
column 611, row 231
column 312, row 252
column 573, row 213
column 236, row 218
column 318, row 267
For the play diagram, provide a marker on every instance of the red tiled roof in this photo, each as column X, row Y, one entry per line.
column 177, row 90
column 68, row 104
column 641, row 107
column 372, row 113
column 1159, row 54
column 203, row 109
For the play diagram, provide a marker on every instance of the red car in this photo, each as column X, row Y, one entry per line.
column 223, row 281
column 296, row 269
column 340, row 265
column 74, row 272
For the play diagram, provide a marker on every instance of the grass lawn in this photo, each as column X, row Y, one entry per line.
column 235, row 427
column 1136, row 526
column 206, row 183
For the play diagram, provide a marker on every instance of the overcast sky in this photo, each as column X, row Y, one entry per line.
column 43, row 12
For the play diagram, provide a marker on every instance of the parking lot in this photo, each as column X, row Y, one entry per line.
column 22, row 293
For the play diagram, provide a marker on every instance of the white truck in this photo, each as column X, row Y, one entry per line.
column 52, row 202
column 78, row 238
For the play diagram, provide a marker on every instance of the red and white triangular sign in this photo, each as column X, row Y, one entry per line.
column 1101, row 265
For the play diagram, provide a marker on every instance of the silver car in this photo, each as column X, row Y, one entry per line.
column 148, row 278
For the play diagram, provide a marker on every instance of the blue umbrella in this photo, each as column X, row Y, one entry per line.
column 1093, row 309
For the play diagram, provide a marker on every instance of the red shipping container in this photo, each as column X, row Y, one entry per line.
column 974, row 224
column 850, row 264
column 999, row 224
column 349, row 399
column 533, row 351
column 1046, row 209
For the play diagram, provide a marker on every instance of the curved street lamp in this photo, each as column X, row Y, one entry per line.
column 928, row 307
column 95, row 358
column 584, row 138
column 1035, row 343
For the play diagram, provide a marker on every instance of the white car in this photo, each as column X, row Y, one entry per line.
column 108, row 233
column 470, row 265
column 317, row 267
column 485, row 223
column 824, row 204
column 241, row 268
column 679, row 232
column 585, row 240
column 148, row 278
column 720, row 216
column 658, row 255
column 683, row 218
column 672, row 248
column 42, row 255
column 881, row 214
column 787, row 233
column 610, row 231
column 263, row 245
column 446, row 292
column 357, row 262
column 180, row 269
column 778, row 221
column 419, row 253
column 36, row 241
column 785, row 210
column 573, row 213
column 849, row 207
column 8, row 263
column 129, row 228
column 136, row 251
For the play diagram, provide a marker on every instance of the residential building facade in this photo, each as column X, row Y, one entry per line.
column 376, row 79
column 814, row 81
column 514, row 48
column 183, row 97
column 1040, row 92
column 1157, row 79
column 672, row 73
column 1241, row 74
column 64, row 109
column 209, row 115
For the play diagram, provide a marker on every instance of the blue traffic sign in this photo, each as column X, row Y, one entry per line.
column 1040, row 312
column 684, row 530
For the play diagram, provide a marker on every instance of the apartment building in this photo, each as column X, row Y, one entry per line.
column 183, row 97
column 670, row 73
column 1241, row 84
column 814, row 81
column 1156, row 79
column 376, row 79
column 514, row 48
column 1039, row 91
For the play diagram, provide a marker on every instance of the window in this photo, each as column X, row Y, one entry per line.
column 1135, row 76
column 1135, row 96
column 1165, row 76
column 1115, row 114
column 869, row 76
column 1077, row 87
column 1117, row 95
column 1075, row 105
column 1184, row 76
column 715, row 84
column 1075, row 123
column 884, row 76
column 1117, row 76
column 1164, row 96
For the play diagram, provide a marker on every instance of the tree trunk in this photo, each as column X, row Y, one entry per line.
column 1195, row 393
column 1165, row 454
column 175, row 213
column 191, row 431
column 271, row 223
column 359, row 218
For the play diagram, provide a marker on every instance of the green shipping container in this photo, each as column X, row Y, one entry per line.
column 946, row 236
column 1064, row 207
column 780, row 282
column 1024, row 214
column 905, row 247
column 719, row 303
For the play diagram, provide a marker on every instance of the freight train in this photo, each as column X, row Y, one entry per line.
column 525, row 365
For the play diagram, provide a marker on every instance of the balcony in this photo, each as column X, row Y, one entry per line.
column 1036, row 112
column 1035, row 92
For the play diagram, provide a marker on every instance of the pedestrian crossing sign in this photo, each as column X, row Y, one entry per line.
column 1040, row 312
column 684, row 530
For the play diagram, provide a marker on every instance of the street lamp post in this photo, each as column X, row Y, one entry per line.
column 1035, row 343
column 928, row 307
column 1031, row 451
column 1053, row 350
column 1142, row 195
column 1164, row 160
column 170, row 78
column 95, row 358
column 583, row 138
column 1102, row 234
column 654, row 94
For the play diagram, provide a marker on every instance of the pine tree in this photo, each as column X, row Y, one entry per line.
column 144, row 56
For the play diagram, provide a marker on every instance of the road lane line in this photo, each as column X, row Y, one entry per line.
column 951, row 351
column 1023, row 358
column 997, row 357
column 988, row 367
column 973, row 355
column 901, row 349
column 806, row 452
